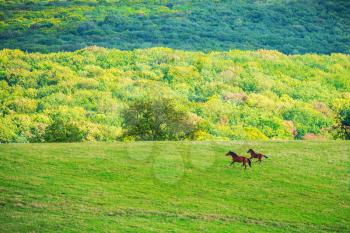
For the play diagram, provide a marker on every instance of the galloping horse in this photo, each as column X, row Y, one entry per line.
column 239, row 159
column 255, row 155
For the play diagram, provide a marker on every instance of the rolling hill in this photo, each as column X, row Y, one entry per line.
column 289, row 26
column 98, row 94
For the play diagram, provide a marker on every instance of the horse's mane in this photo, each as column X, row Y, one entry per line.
column 233, row 153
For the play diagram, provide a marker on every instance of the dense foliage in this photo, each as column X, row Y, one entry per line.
column 164, row 94
column 297, row 26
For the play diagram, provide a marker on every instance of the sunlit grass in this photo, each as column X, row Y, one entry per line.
column 174, row 186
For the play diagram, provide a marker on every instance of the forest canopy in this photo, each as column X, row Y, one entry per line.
column 289, row 26
column 98, row 94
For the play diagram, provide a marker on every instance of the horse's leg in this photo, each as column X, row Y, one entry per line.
column 244, row 165
column 232, row 163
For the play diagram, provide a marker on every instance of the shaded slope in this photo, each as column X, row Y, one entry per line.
column 318, row 26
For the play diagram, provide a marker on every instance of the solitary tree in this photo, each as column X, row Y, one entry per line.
column 64, row 129
column 158, row 119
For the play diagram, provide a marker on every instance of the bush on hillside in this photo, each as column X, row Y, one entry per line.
column 158, row 119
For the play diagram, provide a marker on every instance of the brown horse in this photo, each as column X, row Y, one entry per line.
column 254, row 155
column 239, row 159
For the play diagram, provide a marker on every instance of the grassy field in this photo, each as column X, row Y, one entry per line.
column 174, row 187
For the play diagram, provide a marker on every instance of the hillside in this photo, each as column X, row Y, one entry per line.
column 297, row 26
column 98, row 94
column 181, row 186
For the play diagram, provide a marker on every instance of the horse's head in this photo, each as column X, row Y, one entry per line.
column 231, row 153
column 250, row 151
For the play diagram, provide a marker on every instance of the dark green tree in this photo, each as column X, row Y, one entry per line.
column 343, row 124
column 158, row 119
column 64, row 129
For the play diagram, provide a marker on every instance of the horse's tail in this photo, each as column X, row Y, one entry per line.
column 266, row 156
column 249, row 162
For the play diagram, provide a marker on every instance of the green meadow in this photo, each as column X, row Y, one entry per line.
column 303, row 186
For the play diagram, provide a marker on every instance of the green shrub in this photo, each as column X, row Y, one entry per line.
column 158, row 119
column 66, row 126
column 306, row 121
column 64, row 131
column 7, row 131
column 343, row 123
